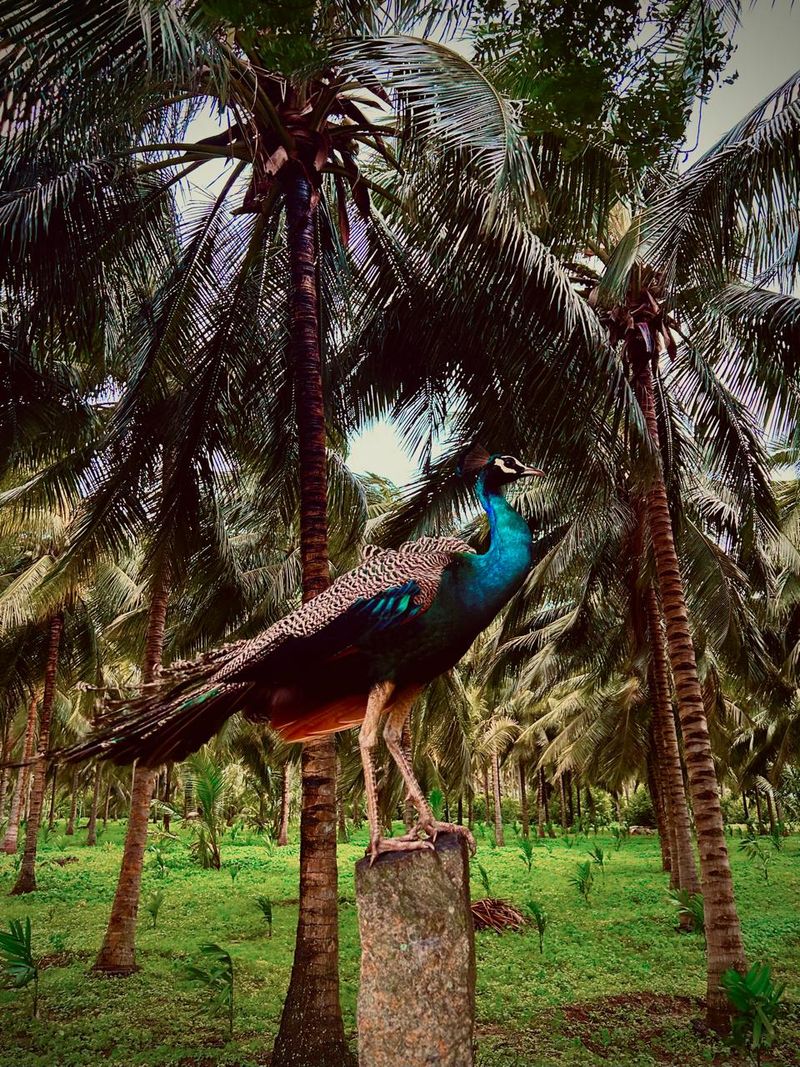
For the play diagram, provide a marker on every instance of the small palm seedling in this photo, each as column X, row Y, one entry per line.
column 526, row 852
column 539, row 918
column 159, row 861
column 619, row 833
column 756, row 1002
column 153, row 905
column 436, row 801
column 690, row 908
column 569, row 841
column 233, row 871
column 19, row 965
column 217, row 978
column 265, row 904
column 484, row 877
column 757, row 854
column 776, row 836
column 583, row 879
column 599, row 857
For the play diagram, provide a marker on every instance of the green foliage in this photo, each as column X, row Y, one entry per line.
column 583, row 879
column 153, row 905
column 20, row 967
column 756, row 1002
column 484, row 877
column 526, row 848
column 777, row 835
column 540, row 919
column 758, row 855
column 690, row 905
column 233, row 870
column 218, row 978
column 436, row 801
column 619, row 832
column 599, row 857
column 159, row 860
column 265, row 905
column 638, row 811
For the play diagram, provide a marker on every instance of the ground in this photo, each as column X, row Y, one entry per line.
column 616, row 984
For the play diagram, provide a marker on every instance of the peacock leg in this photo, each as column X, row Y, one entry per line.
column 379, row 698
column 393, row 733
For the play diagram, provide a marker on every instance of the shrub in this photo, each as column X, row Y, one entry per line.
column 583, row 879
column 19, row 964
column 218, row 978
column 265, row 904
column 690, row 905
column 526, row 852
column 639, row 809
column 539, row 918
column 756, row 1003
column 153, row 905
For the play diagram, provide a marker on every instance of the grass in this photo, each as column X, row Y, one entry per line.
column 616, row 983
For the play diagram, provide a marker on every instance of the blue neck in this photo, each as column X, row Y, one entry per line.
column 509, row 555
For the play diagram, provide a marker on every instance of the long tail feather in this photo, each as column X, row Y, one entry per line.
column 158, row 729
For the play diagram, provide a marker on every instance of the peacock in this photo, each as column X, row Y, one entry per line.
column 357, row 654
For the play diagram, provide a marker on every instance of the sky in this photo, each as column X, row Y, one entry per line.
column 768, row 51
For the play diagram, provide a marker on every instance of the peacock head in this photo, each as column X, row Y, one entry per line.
column 496, row 469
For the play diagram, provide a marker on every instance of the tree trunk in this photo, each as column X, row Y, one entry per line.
column 723, row 931
column 524, row 813
column 311, row 1032
column 118, row 952
column 486, row 800
column 745, row 811
column 283, row 829
column 498, row 811
column 771, row 814
column 470, row 809
column 73, row 805
column 656, row 790
column 5, row 755
column 51, row 815
column 91, row 826
column 18, row 800
column 26, row 882
column 677, row 810
column 106, row 806
column 167, row 795
column 563, row 798
column 578, row 797
column 568, row 787
column 540, row 803
column 759, row 812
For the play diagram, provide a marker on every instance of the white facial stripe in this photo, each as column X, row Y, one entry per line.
column 506, row 470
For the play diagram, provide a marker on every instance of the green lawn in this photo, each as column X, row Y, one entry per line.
column 616, row 984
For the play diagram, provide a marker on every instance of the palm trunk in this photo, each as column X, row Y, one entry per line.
column 106, row 806
column 118, row 952
column 18, row 800
column 311, row 1032
column 540, row 803
column 759, row 812
column 656, row 790
column 723, row 931
column 73, row 806
column 677, row 810
column 498, row 811
column 167, row 796
column 283, row 828
column 91, row 827
column 26, row 882
column 524, row 813
column 4, row 757
column 771, row 814
column 563, row 797
column 486, row 799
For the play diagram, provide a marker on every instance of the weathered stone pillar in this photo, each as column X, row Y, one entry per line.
column 416, row 1000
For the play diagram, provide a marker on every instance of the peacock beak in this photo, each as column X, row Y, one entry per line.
column 531, row 472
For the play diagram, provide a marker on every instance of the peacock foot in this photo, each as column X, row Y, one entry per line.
column 433, row 828
column 409, row 842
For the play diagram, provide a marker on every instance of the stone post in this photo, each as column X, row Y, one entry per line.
column 416, row 1000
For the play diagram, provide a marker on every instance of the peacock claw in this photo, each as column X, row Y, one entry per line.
column 433, row 828
column 407, row 843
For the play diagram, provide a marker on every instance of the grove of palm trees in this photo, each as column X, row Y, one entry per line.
column 260, row 675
